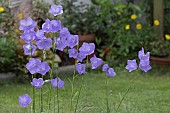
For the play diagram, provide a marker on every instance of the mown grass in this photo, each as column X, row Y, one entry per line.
column 149, row 94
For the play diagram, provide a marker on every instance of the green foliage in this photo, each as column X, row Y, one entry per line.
column 80, row 18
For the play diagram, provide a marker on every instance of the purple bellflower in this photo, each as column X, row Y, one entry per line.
column 131, row 65
column 29, row 49
column 27, row 24
column 80, row 68
column 110, row 72
column 57, row 83
column 44, row 68
column 37, row 83
column 44, row 43
column 47, row 26
column 56, row 25
column 56, row 10
column 60, row 44
column 87, row 48
column 96, row 62
column 33, row 65
column 80, row 57
column 64, row 33
column 142, row 55
column 105, row 67
column 28, row 36
column 24, row 100
column 40, row 35
column 73, row 40
column 144, row 65
column 73, row 53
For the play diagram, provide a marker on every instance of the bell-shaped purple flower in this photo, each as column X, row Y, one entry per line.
column 38, row 83
column 33, row 65
column 105, row 67
column 81, row 57
column 40, row 35
column 87, row 48
column 64, row 34
column 44, row 43
column 142, row 55
column 144, row 65
column 56, row 25
column 110, row 72
column 131, row 65
column 96, row 62
column 29, row 49
column 73, row 40
column 56, row 10
column 24, row 100
column 57, row 83
column 44, row 68
column 60, row 44
column 28, row 36
column 73, row 53
column 47, row 26
column 80, row 68
column 27, row 24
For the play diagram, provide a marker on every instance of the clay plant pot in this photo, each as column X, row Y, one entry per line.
column 160, row 61
column 86, row 38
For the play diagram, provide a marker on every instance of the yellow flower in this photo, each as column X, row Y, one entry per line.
column 127, row 27
column 133, row 16
column 1, row 9
column 20, row 15
column 138, row 26
column 156, row 22
column 167, row 37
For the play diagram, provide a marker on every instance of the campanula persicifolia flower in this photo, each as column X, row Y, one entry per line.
column 60, row 44
column 144, row 65
column 44, row 43
column 110, row 72
column 44, row 68
column 40, row 35
column 24, row 100
column 33, row 65
column 47, row 26
column 142, row 55
column 27, row 24
column 105, row 67
column 80, row 68
column 57, row 83
column 73, row 40
column 29, row 49
column 131, row 65
column 56, row 10
column 73, row 53
column 96, row 62
column 56, row 25
column 28, row 36
column 37, row 83
column 87, row 48
column 81, row 57
column 64, row 33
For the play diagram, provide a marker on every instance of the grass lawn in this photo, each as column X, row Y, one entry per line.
column 149, row 94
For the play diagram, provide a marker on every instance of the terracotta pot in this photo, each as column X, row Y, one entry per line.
column 160, row 61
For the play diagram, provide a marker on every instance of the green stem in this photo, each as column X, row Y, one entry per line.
column 33, row 93
column 82, row 82
column 107, row 102
column 58, row 101
column 125, row 94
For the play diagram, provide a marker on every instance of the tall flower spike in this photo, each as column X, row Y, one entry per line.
column 80, row 68
column 37, row 82
column 56, row 10
column 57, row 83
column 24, row 100
column 96, row 62
column 131, row 65
column 27, row 24
column 33, row 65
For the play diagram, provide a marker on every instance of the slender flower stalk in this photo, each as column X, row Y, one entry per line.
column 107, row 101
